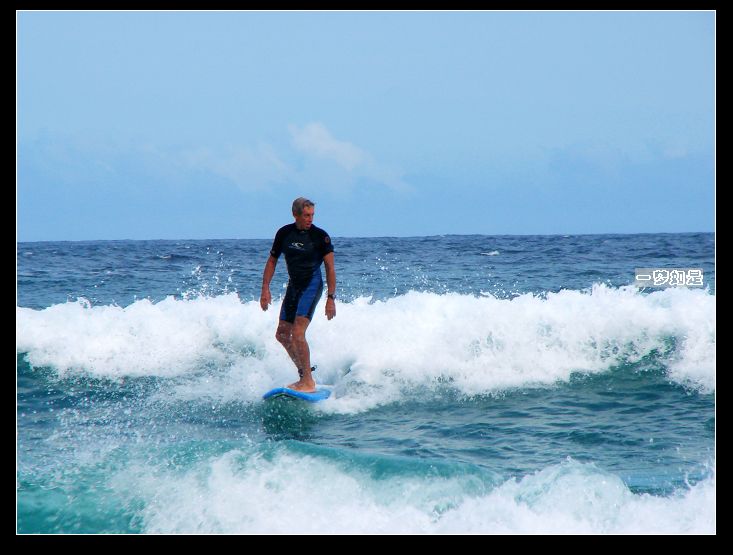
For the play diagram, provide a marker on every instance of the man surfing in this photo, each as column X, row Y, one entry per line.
column 306, row 247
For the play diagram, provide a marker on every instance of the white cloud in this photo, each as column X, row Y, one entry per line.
column 317, row 143
column 676, row 151
column 325, row 162
column 315, row 140
column 249, row 168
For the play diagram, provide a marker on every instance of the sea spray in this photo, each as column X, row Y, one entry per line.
column 479, row 344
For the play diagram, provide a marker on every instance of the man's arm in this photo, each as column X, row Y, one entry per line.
column 265, row 297
column 328, row 260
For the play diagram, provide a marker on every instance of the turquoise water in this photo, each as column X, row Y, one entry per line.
column 481, row 384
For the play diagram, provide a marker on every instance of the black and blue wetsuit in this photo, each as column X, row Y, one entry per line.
column 304, row 251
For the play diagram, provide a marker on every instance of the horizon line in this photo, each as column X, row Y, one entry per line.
column 18, row 241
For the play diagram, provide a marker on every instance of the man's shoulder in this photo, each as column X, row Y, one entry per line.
column 285, row 229
column 280, row 238
column 322, row 239
column 315, row 230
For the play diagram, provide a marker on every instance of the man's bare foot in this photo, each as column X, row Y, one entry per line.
column 306, row 386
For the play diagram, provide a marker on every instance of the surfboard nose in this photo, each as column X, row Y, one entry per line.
column 320, row 394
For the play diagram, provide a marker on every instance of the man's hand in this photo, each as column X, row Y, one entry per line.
column 265, row 299
column 331, row 282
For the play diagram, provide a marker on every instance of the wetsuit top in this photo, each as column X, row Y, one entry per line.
column 304, row 251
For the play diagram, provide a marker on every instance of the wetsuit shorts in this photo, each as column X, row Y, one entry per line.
column 302, row 301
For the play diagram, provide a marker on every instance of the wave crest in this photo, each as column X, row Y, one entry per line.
column 478, row 344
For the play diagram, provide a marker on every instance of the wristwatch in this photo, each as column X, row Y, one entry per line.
column 332, row 296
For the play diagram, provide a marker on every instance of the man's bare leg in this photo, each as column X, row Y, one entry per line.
column 302, row 352
column 285, row 336
column 292, row 337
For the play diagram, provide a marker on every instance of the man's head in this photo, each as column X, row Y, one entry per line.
column 303, row 211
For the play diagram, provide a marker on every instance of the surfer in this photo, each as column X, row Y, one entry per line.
column 306, row 247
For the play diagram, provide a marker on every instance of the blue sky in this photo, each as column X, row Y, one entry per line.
column 194, row 125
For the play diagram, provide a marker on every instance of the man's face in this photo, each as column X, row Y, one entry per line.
column 305, row 220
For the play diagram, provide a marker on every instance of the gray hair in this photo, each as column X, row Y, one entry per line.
column 300, row 203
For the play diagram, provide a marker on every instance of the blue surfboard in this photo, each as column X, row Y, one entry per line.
column 320, row 394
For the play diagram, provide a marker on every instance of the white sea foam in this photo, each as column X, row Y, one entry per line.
column 373, row 351
column 292, row 493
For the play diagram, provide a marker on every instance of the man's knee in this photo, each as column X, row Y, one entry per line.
column 299, row 327
column 284, row 334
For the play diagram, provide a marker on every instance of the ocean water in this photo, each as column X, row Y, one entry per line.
column 482, row 384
